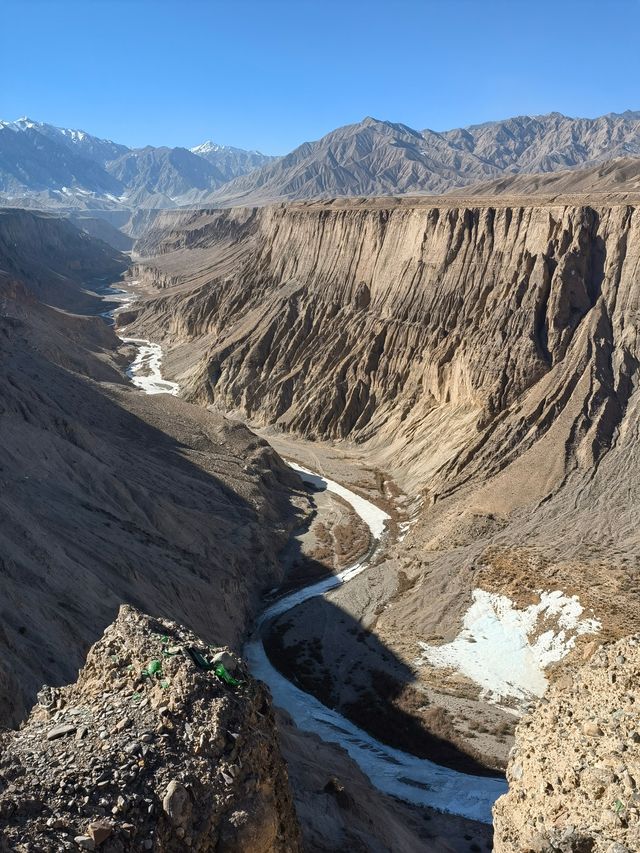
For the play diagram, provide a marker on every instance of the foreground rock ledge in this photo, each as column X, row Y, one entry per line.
column 169, row 761
column 574, row 772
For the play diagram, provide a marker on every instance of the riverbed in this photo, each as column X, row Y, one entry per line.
column 398, row 773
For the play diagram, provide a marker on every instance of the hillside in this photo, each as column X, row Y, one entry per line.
column 106, row 490
column 56, row 261
column 619, row 179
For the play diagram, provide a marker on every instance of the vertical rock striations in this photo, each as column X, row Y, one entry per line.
column 461, row 335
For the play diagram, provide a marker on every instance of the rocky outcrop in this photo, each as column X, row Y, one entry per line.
column 574, row 772
column 147, row 752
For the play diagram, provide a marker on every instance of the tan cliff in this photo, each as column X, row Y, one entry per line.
column 454, row 339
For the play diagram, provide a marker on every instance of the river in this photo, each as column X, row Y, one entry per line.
column 412, row 779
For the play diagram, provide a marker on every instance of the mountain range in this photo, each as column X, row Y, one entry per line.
column 57, row 167
column 382, row 158
column 45, row 166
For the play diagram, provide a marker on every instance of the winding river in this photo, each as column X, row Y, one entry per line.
column 398, row 773
column 415, row 780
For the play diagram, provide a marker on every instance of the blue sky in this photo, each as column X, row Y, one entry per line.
column 272, row 74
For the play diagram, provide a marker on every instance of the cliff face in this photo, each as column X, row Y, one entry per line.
column 575, row 768
column 458, row 334
column 486, row 357
column 170, row 760
column 55, row 259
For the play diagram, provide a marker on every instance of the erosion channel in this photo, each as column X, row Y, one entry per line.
column 412, row 779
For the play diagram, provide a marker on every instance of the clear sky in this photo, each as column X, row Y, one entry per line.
column 270, row 74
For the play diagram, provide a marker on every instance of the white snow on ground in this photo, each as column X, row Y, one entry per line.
column 123, row 298
column 391, row 770
column 144, row 371
column 506, row 650
column 372, row 515
column 404, row 527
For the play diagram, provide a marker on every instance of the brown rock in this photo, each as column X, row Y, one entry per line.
column 99, row 831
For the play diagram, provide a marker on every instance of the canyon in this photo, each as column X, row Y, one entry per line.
column 468, row 365
column 110, row 496
column 479, row 363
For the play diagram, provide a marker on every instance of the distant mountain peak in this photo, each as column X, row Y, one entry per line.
column 207, row 147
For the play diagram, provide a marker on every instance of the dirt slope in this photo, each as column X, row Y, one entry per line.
column 454, row 341
column 58, row 262
column 619, row 177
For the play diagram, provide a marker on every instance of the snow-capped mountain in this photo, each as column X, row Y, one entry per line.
column 48, row 166
column 232, row 162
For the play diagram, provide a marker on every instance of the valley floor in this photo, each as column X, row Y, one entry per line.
column 333, row 538
column 329, row 645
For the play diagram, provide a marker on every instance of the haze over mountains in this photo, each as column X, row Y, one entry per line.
column 45, row 166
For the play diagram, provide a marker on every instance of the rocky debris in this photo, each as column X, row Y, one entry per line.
column 574, row 772
column 172, row 758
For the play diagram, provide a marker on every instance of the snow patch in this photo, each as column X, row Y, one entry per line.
column 506, row 650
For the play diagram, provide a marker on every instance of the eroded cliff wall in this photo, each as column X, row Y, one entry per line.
column 456, row 337
column 485, row 356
